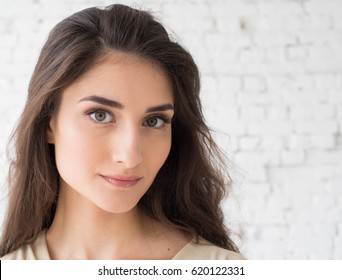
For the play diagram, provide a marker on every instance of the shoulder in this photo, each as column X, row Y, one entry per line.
column 204, row 250
column 35, row 251
column 23, row 253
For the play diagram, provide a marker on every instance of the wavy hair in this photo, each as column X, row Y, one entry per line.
column 187, row 191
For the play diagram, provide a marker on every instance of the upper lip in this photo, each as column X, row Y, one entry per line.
column 122, row 177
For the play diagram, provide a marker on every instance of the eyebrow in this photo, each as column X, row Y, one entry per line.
column 115, row 104
column 103, row 101
column 160, row 108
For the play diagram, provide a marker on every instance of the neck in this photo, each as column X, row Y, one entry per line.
column 84, row 231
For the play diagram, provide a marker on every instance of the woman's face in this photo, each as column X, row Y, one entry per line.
column 112, row 132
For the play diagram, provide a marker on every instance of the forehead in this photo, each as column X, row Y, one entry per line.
column 121, row 75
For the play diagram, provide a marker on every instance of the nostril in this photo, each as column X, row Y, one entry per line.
column 128, row 154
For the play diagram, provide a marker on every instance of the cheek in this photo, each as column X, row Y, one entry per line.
column 156, row 152
column 75, row 149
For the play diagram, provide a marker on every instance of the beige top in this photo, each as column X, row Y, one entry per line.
column 204, row 250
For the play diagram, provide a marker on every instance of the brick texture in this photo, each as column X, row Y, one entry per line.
column 272, row 90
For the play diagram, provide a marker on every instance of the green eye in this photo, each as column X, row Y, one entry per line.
column 154, row 122
column 101, row 116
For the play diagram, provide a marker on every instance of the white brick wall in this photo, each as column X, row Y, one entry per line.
column 272, row 88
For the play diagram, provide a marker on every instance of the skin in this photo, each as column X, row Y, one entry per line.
column 112, row 134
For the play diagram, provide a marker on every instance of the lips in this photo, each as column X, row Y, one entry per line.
column 122, row 180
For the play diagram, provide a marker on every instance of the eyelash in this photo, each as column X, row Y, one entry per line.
column 98, row 109
column 164, row 118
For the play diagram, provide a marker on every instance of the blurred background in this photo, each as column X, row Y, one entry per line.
column 271, row 89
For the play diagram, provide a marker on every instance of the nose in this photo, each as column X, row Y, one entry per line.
column 127, row 147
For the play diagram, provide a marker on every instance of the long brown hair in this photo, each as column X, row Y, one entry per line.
column 190, row 186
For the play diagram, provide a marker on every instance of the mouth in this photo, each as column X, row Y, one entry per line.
column 121, row 180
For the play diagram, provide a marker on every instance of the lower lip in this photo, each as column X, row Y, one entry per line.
column 121, row 183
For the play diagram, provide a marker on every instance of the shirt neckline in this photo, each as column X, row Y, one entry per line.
column 45, row 255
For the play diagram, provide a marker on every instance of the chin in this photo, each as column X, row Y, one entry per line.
column 117, row 209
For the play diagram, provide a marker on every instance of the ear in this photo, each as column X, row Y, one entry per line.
column 50, row 131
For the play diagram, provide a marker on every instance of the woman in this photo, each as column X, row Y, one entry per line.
column 113, row 158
